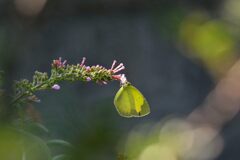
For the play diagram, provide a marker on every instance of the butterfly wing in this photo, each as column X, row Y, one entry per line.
column 139, row 105
column 122, row 102
column 130, row 102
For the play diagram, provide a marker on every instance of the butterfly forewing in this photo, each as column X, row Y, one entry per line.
column 122, row 103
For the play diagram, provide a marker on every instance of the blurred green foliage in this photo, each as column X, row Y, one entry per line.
column 208, row 40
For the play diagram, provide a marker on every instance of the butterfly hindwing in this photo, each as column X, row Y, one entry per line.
column 130, row 102
column 140, row 107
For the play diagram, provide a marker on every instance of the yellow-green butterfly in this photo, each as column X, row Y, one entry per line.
column 130, row 102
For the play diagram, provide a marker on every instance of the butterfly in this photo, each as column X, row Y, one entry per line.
column 130, row 102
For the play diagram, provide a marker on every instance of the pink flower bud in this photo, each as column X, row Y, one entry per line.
column 104, row 82
column 117, row 77
column 113, row 64
column 83, row 61
column 88, row 68
column 58, row 63
column 117, row 69
column 56, row 87
column 88, row 79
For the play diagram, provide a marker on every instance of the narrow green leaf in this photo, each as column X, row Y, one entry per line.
column 24, row 156
column 34, row 147
column 59, row 142
column 60, row 157
column 40, row 127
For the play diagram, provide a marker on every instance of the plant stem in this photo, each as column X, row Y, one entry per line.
column 26, row 93
column 18, row 98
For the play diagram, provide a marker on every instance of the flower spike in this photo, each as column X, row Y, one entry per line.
column 62, row 72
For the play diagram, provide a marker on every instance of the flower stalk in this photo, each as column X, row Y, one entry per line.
column 61, row 71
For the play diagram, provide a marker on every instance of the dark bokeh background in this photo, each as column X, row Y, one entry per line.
column 143, row 34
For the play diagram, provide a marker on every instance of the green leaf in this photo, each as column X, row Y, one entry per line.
column 34, row 147
column 39, row 126
column 24, row 156
column 59, row 142
column 60, row 157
